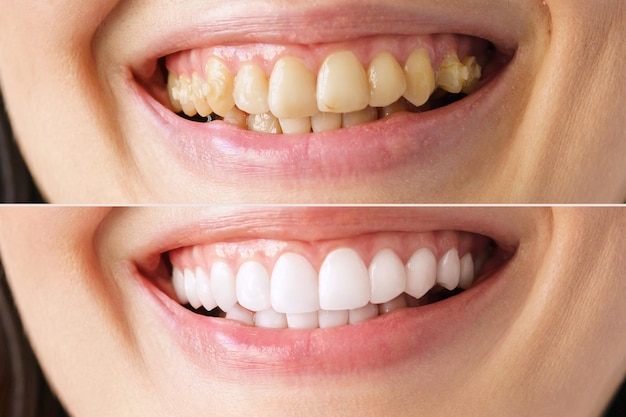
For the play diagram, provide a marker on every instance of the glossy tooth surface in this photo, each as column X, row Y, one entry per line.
column 394, row 108
column 173, row 86
column 364, row 313
column 386, row 79
column 178, row 281
column 332, row 318
column 292, row 89
column 343, row 281
column 342, row 85
column 420, row 77
column 302, row 321
column 368, row 114
column 251, row 89
column 452, row 74
column 220, row 83
column 191, row 289
column 421, row 273
column 200, row 90
column 295, row 126
column 253, row 286
column 322, row 122
column 205, row 293
column 395, row 304
column 467, row 271
column 265, row 123
column 223, row 285
column 294, row 286
column 237, row 118
column 449, row 270
column 240, row 314
column 387, row 277
column 270, row 319
column 185, row 95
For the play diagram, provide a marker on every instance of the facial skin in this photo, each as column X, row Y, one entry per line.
column 551, row 340
column 554, row 135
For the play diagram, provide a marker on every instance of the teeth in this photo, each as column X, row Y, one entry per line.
column 474, row 72
column 178, row 281
column 251, row 89
column 302, row 321
column 343, row 281
column 292, row 90
column 467, row 271
column 395, row 304
column 270, row 319
column 223, row 285
column 200, row 89
column 185, row 96
column 205, row 293
column 253, row 286
column 322, row 122
column 449, row 270
column 421, row 273
column 173, row 88
column 294, row 286
column 297, row 126
column 386, row 80
column 190, row 289
column 364, row 313
column 420, row 78
column 240, row 314
column 265, row 122
column 452, row 74
column 237, row 118
column 342, row 85
column 368, row 114
column 220, row 83
column 387, row 277
column 332, row 318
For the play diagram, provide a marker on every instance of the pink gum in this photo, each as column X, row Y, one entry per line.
column 265, row 55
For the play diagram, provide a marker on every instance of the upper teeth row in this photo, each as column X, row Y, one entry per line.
column 294, row 97
column 344, row 282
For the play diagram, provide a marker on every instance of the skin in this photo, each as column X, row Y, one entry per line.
column 558, row 138
column 557, row 348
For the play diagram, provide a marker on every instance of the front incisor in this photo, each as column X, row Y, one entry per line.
column 386, row 79
column 292, row 89
column 342, row 85
column 251, row 89
column 420, row 77
column 220, row 83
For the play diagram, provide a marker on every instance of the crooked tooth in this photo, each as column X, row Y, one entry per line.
column 421, row 273
column 420, row 77
column 220, row 83
column 322, row 121
column 253, row 286
column 449, row 270
column 332, row 318
column 237, row 118
column 364, row 313
column 387, row 276
column 200, row 89
column 294, row 287
column 190, row 289
column 386, row 80
column 302, row 321
column 178, row 281
column 342, row 85
column 265, row 122
column 359, row 117
column 295, row 126
column 173, row 87
column 270, row 319
column 223, row 285
column 251, row 89
column 343, row 281
column 240, row 314
column 203, row 286
column 474, row 73
column 467, row 271
column 292, row 89
column 395, row 304
column 452, row 74
column 185, row 96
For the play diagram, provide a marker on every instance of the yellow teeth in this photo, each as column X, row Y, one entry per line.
column 265, row 122
column 299, row 126
column 420, row 78
column 342, row 85
column 237, row 118
column 475, row 72
column 386, row 79
column 322, row 122
column 251, row 89
column 452, row 75
column 292, row 89
column 220, row 82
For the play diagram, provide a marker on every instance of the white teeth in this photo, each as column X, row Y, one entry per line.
column 420, row 78
column 322, row 121
column 221, row 85
column 178, row 281
column 237, row 118
column 295, row 126
column 467, row 271
column 302, row 321
column 294, row 286
column 332, row 318
column 395, row 304
column 386, row 78
column 421, row 273
column 343, row 281
column 240, row 314
column 449, row 270
column 292, row 90
column 342, row 85
column 205, row 293
column 253, row 286
column 190, row 289
column 368, row 114
column 270, row 319
column 223, row 285
column 364, row 313
column 387, row 276
column 265, row 123
column 251, row 89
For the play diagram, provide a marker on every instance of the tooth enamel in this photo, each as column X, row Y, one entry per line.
column 295, row 126
column 200, row 89
column 396, row 107
column 467, row 271
column 302, row 321
column 343, row 281
column 420, row 77
column 332, row 318
column 452, row 74
column 321, row 122
column 449, row 270
column 185, row 96
column 474, row 73
column 294, row 287
column 265, row 123
column 387, row 277
column 364, row 313
column 421, row 273
column 237, row 118
column 386, row 80
column 203, row 287
column 223, row 285
column 173, row 87
column 190, row 289
column 292, row 89
column 240, row 314
column 178, row 281
column 220, row 83
column 395, row 304
column 253, row 286
column 366, row 115
column 270, row 319
column 342, row 85
column 251, row 89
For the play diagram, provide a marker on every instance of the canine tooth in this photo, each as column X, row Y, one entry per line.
column 251, row 89
column 332, row 318
column 467, row 271
column 359, row 117
column 220, row 83
column 270, row 319
column 395, row 304
column 190, row 289
column 387, row 276
column 449, row 270
column 343, row 281
column 420, row 77
column 421, row 273
column 294, row 287
column 302, row 321
column 323, row 121
column 396, row 107
column 253, row 286
column 199, row 90
column 240, row 314
column 386, row 80
column 203, row 286
column 173, row 86
column 452, row 74
column 292, row 89
column 223, row 285
column 265, row 122
column 366, row 312
column 295, row 126
column 237, row 118
column 178, row 281
column 185, row 94
column 342, row 85
column 474, row 72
